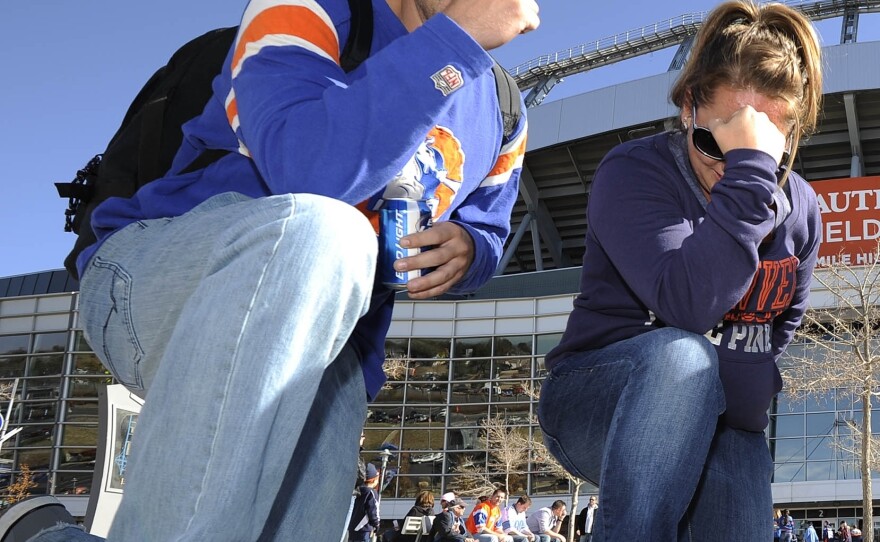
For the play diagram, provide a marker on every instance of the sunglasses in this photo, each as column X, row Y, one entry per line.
column 706, row 145
column 703, row 139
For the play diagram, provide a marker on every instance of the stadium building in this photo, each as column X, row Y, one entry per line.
column 462, row 360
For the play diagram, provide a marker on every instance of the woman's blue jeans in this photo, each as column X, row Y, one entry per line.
column 234, row 318
column 640, row 418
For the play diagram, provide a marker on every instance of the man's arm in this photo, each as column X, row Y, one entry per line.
column 309, row 126
column 468, row 244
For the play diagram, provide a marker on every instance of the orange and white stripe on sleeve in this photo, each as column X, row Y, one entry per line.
column 274, row 23
column 510, row 159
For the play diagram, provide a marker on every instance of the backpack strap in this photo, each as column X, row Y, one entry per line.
column 509, row 99
column 360, row 35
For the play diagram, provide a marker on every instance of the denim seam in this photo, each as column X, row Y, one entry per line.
column 235, row 355
column 125, row 314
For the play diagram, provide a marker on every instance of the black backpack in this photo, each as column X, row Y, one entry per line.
column 144, row 146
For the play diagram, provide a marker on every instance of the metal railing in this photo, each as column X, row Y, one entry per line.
column 661, row 35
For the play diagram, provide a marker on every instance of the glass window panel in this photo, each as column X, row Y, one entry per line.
column 78, row 458
column 40, row 388
column 38, row 411
column 848, row 470
column 518, row 369
column 427, row 392
column 79, row 342
column 790, row 425
column 545, row 483
column 471, row 392
column 73, row 483
column 508, row 392
column 820, row 448
column 411, row 486
column 513, row 413
column 467, row 415
column 390, row 393
column 788, row 405
column 418, row 416
column 80, row 435
column 35, row 459
column 540, row 368
column 48, row 364
column 545, row 343
column 473, row 461
column 820, row 470
column 789, row 472
column 81, row 411
column 820, row 402
column 473, row 347
column 820, row 424
column 375, row 438
column 429, row 370
column 12, row 367
column 50, row 342
column 421, row 463
column 429, row 348
column 845, row 400
column 517, row 345
column 396, row 347
column 464, row 438
column 471, row 370
column 790, row 449
column 13, row 344
column 88, row 364
column 384, row 415
column 86, row 387
column 423, row 439
column 33, row 436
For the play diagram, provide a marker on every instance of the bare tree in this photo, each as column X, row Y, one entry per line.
column 507, row 455
column 837, row 349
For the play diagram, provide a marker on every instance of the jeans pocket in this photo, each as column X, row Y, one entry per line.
column 111, row 326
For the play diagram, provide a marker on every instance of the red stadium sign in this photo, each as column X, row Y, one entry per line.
column 850, row 220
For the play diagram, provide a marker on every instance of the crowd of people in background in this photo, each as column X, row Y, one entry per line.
column 784, row 530
column 491, row 519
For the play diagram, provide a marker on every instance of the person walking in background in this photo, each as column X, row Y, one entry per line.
column 484, row 523
column 786, row 526
column 810, row 533
column 700, row 247
column 207, row 291
column 547, row 521
column 585, row 519
column 843, row 533
column 364, row 520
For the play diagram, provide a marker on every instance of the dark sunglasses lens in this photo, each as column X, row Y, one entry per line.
column 705, row 143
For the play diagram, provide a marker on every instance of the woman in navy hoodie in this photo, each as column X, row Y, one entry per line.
column 700, row 247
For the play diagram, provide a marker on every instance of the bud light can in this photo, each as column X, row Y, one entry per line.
column 399, row 217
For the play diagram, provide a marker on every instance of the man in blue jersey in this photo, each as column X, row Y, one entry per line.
column 240, row 298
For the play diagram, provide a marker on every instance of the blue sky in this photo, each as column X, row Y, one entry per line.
column 73, row 67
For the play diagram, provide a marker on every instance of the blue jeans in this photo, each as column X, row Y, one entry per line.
column 234, row 318
column 640, row 418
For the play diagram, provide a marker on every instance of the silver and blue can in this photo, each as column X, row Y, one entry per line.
column 399, row 217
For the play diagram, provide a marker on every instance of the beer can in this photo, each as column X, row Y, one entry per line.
column 399, row 217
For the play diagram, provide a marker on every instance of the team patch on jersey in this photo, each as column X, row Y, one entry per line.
column 448, row 80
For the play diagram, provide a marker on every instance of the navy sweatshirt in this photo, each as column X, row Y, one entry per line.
column 657, row 255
